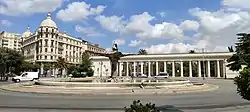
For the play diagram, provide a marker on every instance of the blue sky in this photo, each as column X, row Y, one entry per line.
column 155, row 25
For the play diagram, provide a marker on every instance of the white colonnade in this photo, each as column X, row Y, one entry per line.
column 176, row 65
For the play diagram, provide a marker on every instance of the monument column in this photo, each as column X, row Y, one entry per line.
column 142, row 67
column 190, row 69
column 173, row 69
column 134, row 69
column 218, row 68
column 157, row 67
column 41, row 69
column 182, row 69
column 149, row 69
column 127, row 71
column 199, row 68
column 165, row 66
column 208, row 69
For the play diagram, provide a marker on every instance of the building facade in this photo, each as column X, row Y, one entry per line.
column 47, row 44
column 211, row 64
column 10, row 40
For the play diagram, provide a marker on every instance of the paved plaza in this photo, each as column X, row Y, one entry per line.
column 223, row 99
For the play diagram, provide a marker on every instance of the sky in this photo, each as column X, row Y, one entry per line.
column 159, row 26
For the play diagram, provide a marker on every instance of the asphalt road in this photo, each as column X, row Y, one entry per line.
column 223, row 99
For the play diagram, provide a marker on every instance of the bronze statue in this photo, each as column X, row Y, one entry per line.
column 114, row 57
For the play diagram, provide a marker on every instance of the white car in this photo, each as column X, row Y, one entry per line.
column 26, row 76
column 162, row 75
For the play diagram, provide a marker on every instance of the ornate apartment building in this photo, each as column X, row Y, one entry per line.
column 10, row 40
column 47, row 44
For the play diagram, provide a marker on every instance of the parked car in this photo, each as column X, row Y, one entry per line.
column 162, row 75
column 142, row 76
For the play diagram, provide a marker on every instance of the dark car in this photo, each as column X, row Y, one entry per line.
column 162, row 75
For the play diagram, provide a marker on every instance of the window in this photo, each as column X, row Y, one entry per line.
column 51, row 57
column 52, row 31
column 46, row 49
column 47, row 30
column 45, row 57
column 46, row 35
column 46, row 43
column 52, row 43
column 52, row 50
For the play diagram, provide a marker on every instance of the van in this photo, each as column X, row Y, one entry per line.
column 26, row 76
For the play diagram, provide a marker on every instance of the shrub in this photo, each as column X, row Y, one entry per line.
column 139, row 107
column 243, row 83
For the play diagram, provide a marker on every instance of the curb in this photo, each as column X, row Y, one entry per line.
column 110, row 93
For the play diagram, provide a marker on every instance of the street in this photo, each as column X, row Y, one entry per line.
column 224, row 99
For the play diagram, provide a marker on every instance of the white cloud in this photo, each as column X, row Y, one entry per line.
column 184, row 48
column 5, row 22
column 120, row 41
column 79, row 11
column 134, row 43
column 190, row 25
column 220, row 27
column 88, row 31
column 112, row 23
column 237, row 3
column 26, row 7
column 162, row 14
column 215, row 21
column 140, row 26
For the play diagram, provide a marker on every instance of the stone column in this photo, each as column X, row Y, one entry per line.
column 157, row 67
column 208, row 69
column 120, row 68
column 41, row 69
column 134, row 69
column 142, row 67
column 127, row 69
column 173, row 69
column 149, row 69
column 199, row 68
column 218, row 68
column 190, row 69
column 165, row 66
column 182, row 69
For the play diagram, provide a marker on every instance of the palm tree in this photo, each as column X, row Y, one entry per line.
column 61, row 64
column 142, row 52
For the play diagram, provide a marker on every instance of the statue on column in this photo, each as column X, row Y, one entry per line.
column 114, row 57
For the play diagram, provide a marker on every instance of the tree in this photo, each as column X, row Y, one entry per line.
column 61, row 64
column 243, row 85
column 142, row 52
column 241, row 57
column 9, row 60
column 86, row 65
column 137, row 106
column 230, row 49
